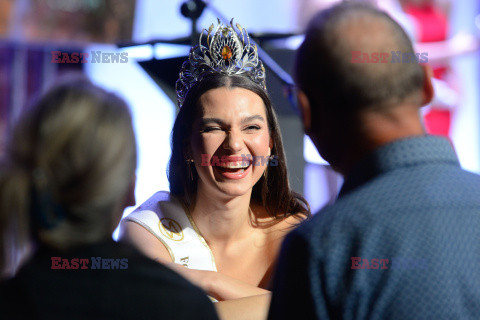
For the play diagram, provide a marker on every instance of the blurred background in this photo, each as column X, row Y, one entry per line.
column 135, row 48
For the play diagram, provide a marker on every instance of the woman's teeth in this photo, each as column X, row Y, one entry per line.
column 234, row 165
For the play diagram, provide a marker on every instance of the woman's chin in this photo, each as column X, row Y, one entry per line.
column 234, row 190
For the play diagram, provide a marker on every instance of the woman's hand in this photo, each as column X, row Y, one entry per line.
column 217, row 285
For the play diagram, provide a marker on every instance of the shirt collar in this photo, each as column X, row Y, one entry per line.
column 401, row 153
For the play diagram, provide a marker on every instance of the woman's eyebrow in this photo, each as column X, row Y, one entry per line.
column 205, row 121
column 254, row 117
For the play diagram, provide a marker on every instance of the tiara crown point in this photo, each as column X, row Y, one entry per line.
column 227, row 51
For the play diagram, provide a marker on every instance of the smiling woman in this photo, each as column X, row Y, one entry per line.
column 239, row 128
column 227, row 212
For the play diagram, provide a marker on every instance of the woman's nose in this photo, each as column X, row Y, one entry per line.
column 233, row 141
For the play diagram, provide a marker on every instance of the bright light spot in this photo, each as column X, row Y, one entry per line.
column 310, row 153
column 168, row 50
column 142, row 52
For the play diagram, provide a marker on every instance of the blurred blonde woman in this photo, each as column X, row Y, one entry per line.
column 66, row 177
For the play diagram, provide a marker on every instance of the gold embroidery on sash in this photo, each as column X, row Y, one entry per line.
column 184, row 261
column 171, row 229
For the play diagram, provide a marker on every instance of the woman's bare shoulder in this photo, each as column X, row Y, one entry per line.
column 263, row 218
column 278, row 230
column 138, row 236
column 289, row 222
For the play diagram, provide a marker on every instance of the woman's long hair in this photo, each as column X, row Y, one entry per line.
column 272, row 191
column 67, row 167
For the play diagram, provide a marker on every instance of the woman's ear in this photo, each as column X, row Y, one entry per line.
column 130, row 196
column 305, row 110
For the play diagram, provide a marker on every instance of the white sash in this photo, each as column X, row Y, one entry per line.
column 164, row 217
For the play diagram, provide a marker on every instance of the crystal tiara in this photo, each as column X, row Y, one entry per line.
column 228, row 52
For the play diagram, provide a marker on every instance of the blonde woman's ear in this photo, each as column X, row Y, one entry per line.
column 130, row 197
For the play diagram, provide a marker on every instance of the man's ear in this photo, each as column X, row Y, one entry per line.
column 427, row 89
column 304, row 105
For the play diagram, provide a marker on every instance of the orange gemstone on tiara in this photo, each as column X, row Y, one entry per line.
column 226, row 53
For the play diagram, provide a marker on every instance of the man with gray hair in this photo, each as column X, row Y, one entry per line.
column 402, row 239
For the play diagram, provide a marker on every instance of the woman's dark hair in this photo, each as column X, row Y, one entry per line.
column 272, row 190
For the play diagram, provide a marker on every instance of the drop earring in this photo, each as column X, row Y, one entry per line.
column 189, row 166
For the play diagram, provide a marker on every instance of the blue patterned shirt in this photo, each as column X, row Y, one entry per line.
column 401, row 242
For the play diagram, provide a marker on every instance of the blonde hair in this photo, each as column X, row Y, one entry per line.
column 66, row 171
